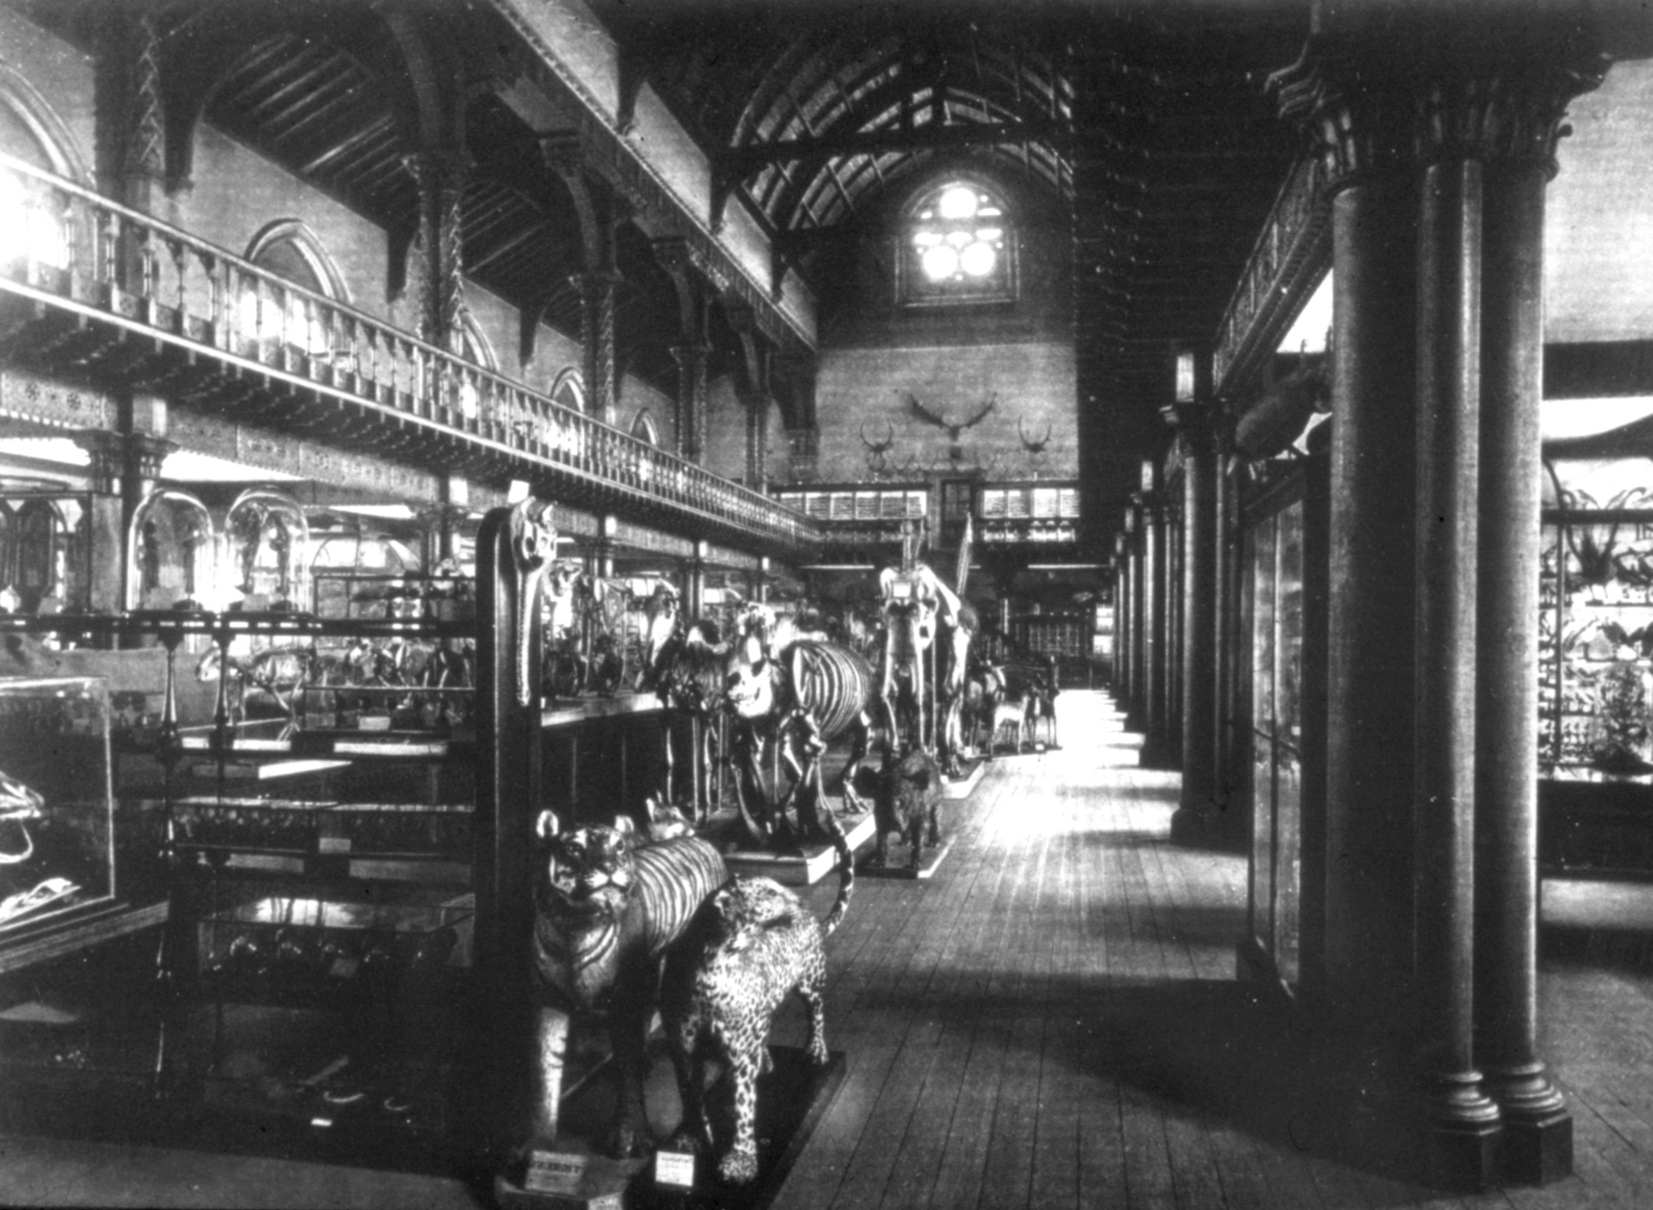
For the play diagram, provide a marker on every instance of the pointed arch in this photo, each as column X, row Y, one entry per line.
column 568, row 389
column 289, row 248
column 957, row 244
column 54, row 143
column 644, row 429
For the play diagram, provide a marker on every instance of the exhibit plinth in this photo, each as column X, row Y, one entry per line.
column 925, row 869
column 569, row 1180
column 804, row 868
column 956, row 788
column 792, row 1096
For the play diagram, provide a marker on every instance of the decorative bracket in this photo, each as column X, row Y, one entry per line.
column 533, row 549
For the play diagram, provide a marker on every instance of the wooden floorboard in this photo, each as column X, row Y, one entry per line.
column 1054, row 1021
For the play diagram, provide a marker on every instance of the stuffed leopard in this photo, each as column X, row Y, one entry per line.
column 754, row 942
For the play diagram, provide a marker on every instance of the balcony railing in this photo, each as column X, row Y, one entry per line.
column 68, row 247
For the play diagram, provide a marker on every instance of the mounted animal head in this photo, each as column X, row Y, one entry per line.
column 1033, row 447
column 877, row 449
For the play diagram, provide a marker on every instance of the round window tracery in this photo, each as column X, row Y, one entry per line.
column 958, row 235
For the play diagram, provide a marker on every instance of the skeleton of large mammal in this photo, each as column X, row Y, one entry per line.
column 795, row 703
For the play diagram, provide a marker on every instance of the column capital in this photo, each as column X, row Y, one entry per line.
column 106, row 457
column 147, row 453
column 1439, row 88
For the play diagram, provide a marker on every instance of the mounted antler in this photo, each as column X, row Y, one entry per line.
column 954, row 428
column 1033, row 447
column 878, row 447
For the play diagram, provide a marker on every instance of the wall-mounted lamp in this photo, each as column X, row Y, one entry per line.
column 1148, row 475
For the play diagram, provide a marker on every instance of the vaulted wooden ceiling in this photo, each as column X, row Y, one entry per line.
column 1146, row 126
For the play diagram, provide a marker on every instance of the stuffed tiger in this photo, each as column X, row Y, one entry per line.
column 754, row 942
column 607, row 909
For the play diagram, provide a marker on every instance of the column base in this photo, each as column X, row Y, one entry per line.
column 1538, row 1130
column 1538, row 1151
column 1464, row 1160
column 1465, row 1133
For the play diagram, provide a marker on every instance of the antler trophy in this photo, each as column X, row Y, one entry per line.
column 955, row 428
column 1035, row 449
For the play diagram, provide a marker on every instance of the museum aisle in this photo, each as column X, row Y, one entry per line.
column 1051, row 1020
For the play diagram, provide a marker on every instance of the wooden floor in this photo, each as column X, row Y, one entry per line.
column 1051, row 1021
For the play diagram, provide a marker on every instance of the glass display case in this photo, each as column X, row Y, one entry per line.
column 1596, row 616
column 269, row 550
column 45, row 550
column 1275, row 607
column 170, row 561
column 57, row 860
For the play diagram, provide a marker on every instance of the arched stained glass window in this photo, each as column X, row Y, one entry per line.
column 957, row 246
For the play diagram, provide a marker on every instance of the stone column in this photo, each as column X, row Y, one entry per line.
column 1538, row 1128
column 1137, row 706
column 1122, row 620
column 1175, row 627
column 1196, row 813
column 1464, row 1118
column 1427, row 128
column 105, row 528
column 1155, row 632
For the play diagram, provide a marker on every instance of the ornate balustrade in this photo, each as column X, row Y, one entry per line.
column 223, row 334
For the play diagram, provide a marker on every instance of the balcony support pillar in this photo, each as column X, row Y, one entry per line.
column 438, row 251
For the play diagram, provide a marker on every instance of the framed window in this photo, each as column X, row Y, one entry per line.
column 957, row 247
